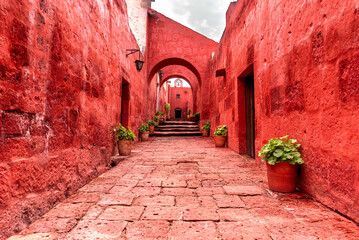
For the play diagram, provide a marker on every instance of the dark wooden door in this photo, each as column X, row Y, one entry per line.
column 178, row 113
column 250, row 134
column 125, row 103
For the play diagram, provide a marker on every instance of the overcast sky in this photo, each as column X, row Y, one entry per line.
column 207, row 17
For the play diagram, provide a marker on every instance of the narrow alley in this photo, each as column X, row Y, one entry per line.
column 185, row 188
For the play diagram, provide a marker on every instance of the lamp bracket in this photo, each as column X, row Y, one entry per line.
column 132, row 51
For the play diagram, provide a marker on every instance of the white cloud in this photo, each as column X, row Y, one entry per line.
column 204, row 16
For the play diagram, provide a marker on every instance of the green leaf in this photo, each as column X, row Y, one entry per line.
column 272, row 160
column 278, row 153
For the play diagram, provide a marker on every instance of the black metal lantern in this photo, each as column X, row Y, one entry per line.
column 139, row 65
column 138, row 62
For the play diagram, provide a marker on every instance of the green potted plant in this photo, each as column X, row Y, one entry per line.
column 220, row 135
column 162, row 117
column 206, row 128
column 144, row 130
column 167, row 109
column 282, row 157
column 152, row 124
column 156, row 118
column 125, row 138
column 196, row 117
column 188, row 113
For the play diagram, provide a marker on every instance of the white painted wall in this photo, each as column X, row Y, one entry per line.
column 137, row 13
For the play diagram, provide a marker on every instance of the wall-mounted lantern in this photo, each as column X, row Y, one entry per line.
column 161, row 74
column 138, row 62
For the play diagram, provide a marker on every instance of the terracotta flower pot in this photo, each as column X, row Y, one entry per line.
column 205, row 132
column 219, row 141
column 162, row 118
column 124, row 148
column 152, row 129
column 144, row 136
column 158, row 122
column 282, row 177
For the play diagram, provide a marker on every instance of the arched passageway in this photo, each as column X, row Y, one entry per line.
column 178, row 68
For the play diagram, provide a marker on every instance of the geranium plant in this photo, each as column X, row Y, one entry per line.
column 152, row 123
column 221, row 130
column 123, row 134
column 144, row 128
column 207, row 126
column 156, row 118
column 281, row 149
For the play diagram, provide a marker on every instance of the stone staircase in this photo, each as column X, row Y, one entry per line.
column 177, row 128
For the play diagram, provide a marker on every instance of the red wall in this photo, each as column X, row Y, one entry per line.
column 305, row 57
column 185, row 97
column 163, row 97
column 61, row 65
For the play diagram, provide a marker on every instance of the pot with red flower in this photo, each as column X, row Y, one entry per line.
column 162, row 117
column 220, row 136
column 125, row 138
column 282, row 157
column 152, row 124
column 156, row 118
column 206, row 128
column 144, row 130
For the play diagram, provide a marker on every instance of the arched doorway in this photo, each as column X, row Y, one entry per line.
column 178, row 113
column 177, row 68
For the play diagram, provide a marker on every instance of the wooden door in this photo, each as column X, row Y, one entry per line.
column 178, row 113
column 250, row 124
column 125, row 103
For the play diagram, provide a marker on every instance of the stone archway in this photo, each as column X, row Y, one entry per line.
column 180, row 68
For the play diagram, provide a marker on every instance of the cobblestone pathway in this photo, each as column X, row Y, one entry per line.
column 184, row 188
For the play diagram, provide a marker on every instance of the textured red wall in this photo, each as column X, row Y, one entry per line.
column 306, row 71
column 61, row 66
column 185, row 101
column 163, row 97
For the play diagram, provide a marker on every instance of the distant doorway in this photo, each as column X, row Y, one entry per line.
column 246, row 106
column 178, row 113
column 250, row 134
column 125, row 103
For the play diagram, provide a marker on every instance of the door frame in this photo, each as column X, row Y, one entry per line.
column 176, row 110
column 246, row 108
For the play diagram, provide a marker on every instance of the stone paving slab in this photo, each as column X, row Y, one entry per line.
column 185, row 188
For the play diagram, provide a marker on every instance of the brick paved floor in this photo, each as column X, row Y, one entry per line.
column 184, row 188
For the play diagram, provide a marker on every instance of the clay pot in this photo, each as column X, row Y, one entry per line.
column 144, row 136
column 124, row 148
column 219, row 141
column 152, row 129
column 162, row 118
column 158, row 122
column 205, row 132
column 282, row 177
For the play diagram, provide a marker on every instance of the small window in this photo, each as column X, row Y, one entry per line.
column 178, row 96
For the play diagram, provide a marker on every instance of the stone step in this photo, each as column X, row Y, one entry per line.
column 179, row 123
column 177, row 129
column 177, row 126
column 176, row 133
